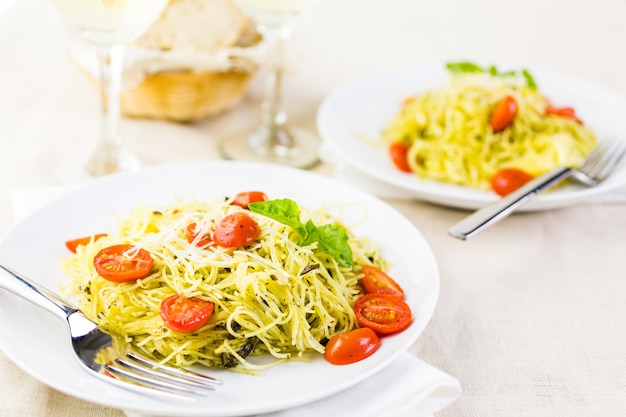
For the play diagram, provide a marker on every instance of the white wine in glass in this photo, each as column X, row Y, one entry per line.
column 273, row 140
column 109, row 25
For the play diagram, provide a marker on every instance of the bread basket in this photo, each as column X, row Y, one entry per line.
column 195, row 62
column 184, row 96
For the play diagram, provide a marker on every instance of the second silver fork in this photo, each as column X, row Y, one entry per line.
column 598, row 166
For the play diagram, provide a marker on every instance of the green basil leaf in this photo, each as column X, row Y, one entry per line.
column 458, row 67
column 310, row 233
column 530, row 80
column 330, row 238
column 285, row 211
column 469, row 67
column 333, row 239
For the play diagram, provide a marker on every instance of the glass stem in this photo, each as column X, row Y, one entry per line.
column 106, row 157
column 273, row 117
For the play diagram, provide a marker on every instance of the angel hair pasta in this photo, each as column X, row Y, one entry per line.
column 450, row 138
column 273, row 295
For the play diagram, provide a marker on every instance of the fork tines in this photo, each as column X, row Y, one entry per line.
column 139, row 370
column 601, row 162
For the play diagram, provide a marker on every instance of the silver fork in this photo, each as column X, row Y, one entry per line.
column 599, row 165
column 131, row 371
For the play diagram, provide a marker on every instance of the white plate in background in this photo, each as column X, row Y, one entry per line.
column 364, row 108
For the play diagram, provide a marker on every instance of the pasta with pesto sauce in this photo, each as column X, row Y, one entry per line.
column 272, row 296
column 450, row 138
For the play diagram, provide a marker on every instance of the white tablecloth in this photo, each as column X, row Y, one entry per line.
column 531, row 314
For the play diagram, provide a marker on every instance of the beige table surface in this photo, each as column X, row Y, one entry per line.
column 532, row 312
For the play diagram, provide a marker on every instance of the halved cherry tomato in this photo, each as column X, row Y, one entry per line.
column 236, row 229
column 74, row 243
column 245, row 198
column 352, row 346
column 567, row 112
column 192, row 232
column 122, row 263
column 503, row 114
column 398, row 152
column 508, row 180
column 184, row 314
column 382, row 313
column 561, row 111
column 376, row 281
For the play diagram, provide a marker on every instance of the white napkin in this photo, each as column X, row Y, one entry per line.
column 408, row 387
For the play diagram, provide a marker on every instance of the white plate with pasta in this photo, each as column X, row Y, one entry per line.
column 351, row 121
column 38, row 343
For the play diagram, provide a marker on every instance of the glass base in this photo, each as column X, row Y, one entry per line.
column 293, row 147
column 109, row 161
column 74, row 170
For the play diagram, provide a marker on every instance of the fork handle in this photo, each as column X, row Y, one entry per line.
column 31, row 291
column 497, row 211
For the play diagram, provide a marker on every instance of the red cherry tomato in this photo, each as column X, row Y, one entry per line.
column 376, row 281
column 184, row 314
column 74, row 243
column 192, row 231
column 352, row 346
column 245, row 198
column 236, row 229
column 382, row 313
column 122, row 263
column 567, row 112
column 508, row 180
column 503, row 114
column 398, row 152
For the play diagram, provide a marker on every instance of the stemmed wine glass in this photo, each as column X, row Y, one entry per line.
column 109, row 25
column 273, row 140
